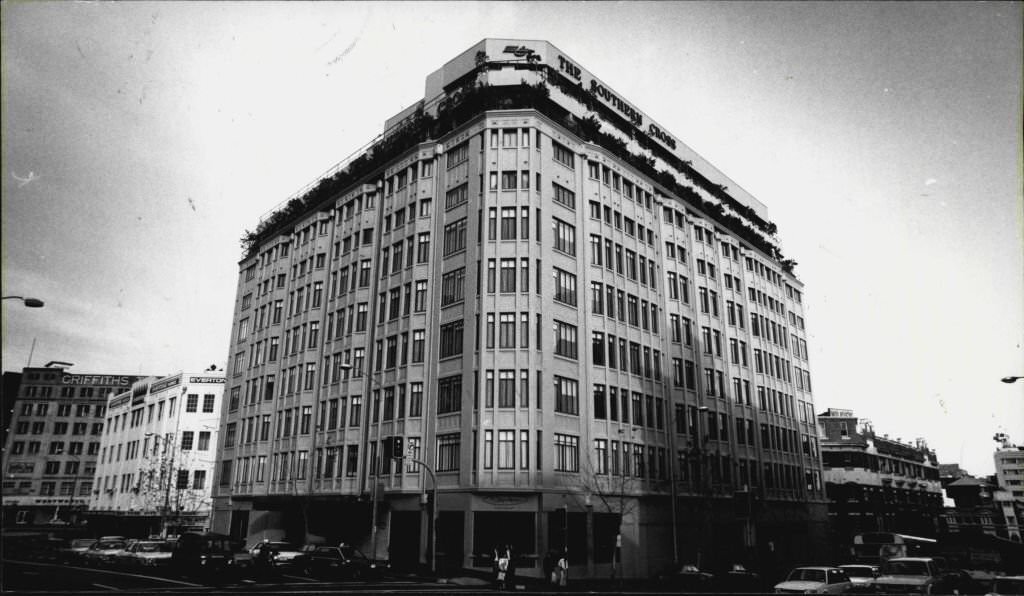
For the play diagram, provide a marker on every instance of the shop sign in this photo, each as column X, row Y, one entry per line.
column 614, row 101
column 165, row 383
column 96, row 380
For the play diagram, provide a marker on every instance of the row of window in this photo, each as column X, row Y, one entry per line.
column 146, row 481
column 24, row 427
column 31, row 391
column 623, row 261
column 625, row 356
column 607, row 300
column 614, row 217
column 67, row 489
column 612, row 403
column 63, row 410
column 56, row 447
column 619, row 183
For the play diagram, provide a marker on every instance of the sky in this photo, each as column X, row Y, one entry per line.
column 140, row 141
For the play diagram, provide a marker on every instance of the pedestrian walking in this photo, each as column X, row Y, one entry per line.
column 501, row 566
column 563, row 571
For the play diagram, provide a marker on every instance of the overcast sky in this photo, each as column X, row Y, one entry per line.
column 141, row 139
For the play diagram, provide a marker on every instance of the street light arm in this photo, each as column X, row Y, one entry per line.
column 29, row 302
column 1011, row 379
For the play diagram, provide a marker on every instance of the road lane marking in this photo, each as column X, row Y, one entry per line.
column 93, row 569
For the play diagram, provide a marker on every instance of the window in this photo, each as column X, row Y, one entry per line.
column 204, row 440
column 453, row 286
column 567, row 453
column 451, row 340
column 187, row 437
column 565, row 339
column 208, row 402
column 455, row 237
column 565, row 236
column 508, row 180
column 192, row 402
column 565, row 287
column 565, row 197
column 456, row 196
column 449, row 394
column 566, row 395
column 458, row 154
column 421, row 296
column 506, row 388
column 423, row 248
column 507, row 330
column 508, row 223
column 508, row 276
column 506, row 449
column 563, row 155
column 448, row 452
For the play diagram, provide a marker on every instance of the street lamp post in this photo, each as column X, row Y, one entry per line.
column 29, row 302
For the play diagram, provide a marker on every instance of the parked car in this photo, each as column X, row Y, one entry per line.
column 958, row 581
column 103, row 552
column 146, row 553
column 1007, row 585
column 206, row 554
column 74, row 552
column 921, row 575
column 341, row 561
column 688, row 578
column 862, row 576
column 740, row 579
column 278, row 555
column 815, row 580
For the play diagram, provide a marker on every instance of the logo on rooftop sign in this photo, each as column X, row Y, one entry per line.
column 518, row 51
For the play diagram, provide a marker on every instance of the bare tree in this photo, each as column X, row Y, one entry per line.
column 607, row 489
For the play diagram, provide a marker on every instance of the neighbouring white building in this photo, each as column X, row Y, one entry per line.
column 157, row 454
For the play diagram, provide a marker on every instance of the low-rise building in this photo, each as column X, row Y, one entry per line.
column 53, row 444
column 156, row 457
column 1009, row 460
column 875, row 483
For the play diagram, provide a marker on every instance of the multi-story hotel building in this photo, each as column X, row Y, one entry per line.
column 54, row 443
column 157, row 454
column 1009, row 460
column 875, row 483
column 562, row 310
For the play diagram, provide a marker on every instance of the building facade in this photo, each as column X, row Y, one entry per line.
column 54, row 444
column 157, row 454
column 1009, row 460
column 584, row 331
column 877, row 484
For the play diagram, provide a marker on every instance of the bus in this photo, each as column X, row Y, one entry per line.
column 875, row 547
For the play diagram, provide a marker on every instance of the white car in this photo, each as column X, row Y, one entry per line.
column 147, row 553
column 815, row 580
column 104, row 552
column 861, row 575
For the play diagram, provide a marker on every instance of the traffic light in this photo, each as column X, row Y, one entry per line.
column 397, row 449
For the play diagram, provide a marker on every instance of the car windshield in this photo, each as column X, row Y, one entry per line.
column 905, row 568
column 82, row 542
column 282, row 546
column 351, row 553
column 857, row 571
column 807, row 575
column 109, row 545
column 152, row 547
column 1005, row 585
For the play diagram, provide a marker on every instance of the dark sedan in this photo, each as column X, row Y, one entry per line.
column 339, row 562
